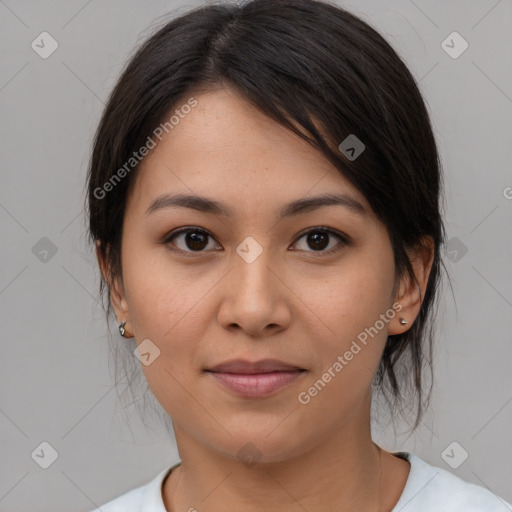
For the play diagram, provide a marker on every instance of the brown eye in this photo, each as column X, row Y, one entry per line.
column 191, row 239
column 318, row 239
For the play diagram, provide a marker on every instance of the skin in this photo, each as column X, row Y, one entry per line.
column 293, row 303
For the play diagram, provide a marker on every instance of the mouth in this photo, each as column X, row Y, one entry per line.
column 240, row 366
column 255, row 380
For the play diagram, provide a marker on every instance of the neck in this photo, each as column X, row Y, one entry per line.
column 344, row 472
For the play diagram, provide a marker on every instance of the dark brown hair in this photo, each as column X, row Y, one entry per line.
column 323, row 73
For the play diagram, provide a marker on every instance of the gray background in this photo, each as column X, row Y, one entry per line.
column 56, row 384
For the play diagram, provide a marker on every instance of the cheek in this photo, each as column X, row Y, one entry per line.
column 354, row 295
column 349, row 304
column 159, row 295
column 166, row 307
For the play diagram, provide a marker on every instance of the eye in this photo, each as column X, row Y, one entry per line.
column 319, row 238
column 193, row 239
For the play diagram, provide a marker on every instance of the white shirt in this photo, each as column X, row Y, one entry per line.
column 428, row 489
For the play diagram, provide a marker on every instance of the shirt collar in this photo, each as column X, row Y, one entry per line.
column 152, row 499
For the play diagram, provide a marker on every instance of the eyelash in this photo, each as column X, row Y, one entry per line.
column 344, row 240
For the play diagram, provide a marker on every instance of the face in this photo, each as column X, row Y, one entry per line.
column 251, row 284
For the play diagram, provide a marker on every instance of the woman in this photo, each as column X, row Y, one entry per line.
column 264, row 196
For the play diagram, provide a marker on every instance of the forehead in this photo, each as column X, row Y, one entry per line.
column 226, row 146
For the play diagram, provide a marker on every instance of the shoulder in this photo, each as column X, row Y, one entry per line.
column 430, row 489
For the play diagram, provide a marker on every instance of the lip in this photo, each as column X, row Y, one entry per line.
column 241, row 366
column 255, row 379
column 256, row 385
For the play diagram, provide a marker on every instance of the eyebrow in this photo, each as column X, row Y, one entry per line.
column 207, row 205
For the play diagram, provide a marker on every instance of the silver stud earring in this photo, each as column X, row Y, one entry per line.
column 122, row 330
column 403, row 321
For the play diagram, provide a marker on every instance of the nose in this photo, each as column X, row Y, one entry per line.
column 255, row 297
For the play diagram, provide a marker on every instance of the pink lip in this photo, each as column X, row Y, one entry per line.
column 256, row 384
column 243, row 366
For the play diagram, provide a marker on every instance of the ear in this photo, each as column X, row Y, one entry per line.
column 411, row 292
column 116, row 290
